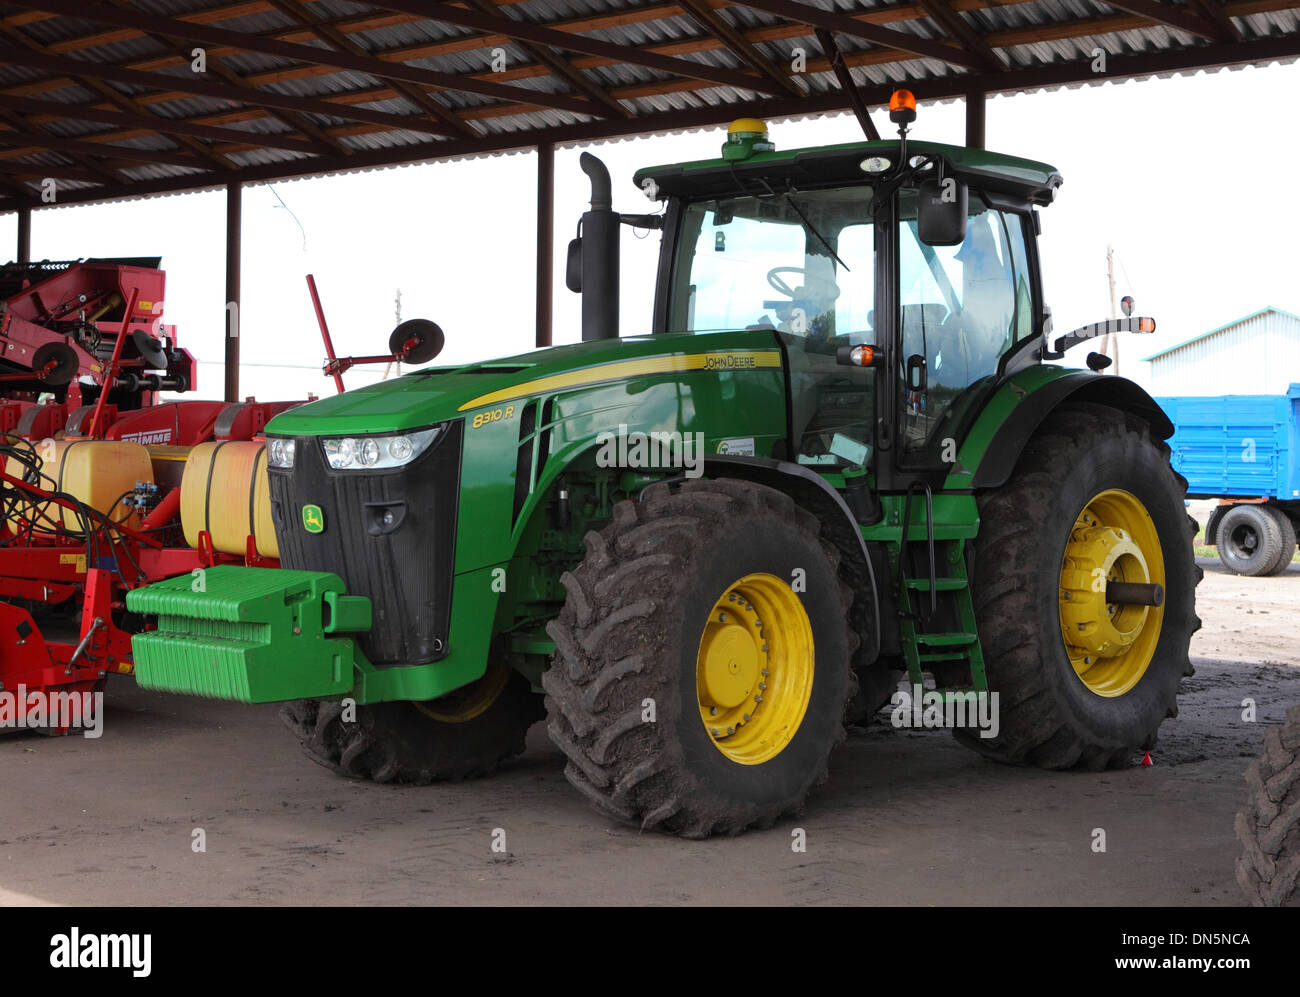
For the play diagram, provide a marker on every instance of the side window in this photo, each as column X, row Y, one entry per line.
column 961, row 308
column 855, row 306
column 1023, row 326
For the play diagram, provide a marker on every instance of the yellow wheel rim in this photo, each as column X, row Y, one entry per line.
column 754, row 669
column 1110, row 646
column 469, row 701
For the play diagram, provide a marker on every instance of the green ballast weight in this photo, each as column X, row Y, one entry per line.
column 249, row 635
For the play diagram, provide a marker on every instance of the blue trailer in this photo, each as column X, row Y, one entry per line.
column 1243, row 450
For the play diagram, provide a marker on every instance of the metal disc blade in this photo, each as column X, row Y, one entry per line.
column 428, row 336
column 66, row 358
column 150, row 349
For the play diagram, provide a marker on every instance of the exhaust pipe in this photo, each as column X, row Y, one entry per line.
column 598, row 258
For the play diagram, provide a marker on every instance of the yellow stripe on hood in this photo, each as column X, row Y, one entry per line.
column 621, row 369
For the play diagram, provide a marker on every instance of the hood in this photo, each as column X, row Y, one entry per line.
column 437, row 394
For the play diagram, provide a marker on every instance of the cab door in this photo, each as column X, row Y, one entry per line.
column 961, row 310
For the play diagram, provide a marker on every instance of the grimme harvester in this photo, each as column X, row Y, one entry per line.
column 893, row 479
column 105, row 486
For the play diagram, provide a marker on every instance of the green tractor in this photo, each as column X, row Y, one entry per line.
column 839, row 459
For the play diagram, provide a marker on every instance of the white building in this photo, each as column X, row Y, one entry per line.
column 1255, row 355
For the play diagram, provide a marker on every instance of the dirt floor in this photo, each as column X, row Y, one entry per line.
column 907, row 817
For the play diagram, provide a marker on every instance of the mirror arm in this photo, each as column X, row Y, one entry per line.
column 643, row 221
column 1086, row 332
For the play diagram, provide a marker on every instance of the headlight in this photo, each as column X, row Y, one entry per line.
column 279, row 453
column 365, row 453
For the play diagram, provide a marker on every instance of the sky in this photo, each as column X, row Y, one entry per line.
column 1188, row 178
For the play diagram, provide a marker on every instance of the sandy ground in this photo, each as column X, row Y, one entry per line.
column 906, row 818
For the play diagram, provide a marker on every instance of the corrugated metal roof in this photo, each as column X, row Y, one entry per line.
column 1266, row 310
column 316, row 92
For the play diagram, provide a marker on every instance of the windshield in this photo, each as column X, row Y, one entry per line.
column 801, row 263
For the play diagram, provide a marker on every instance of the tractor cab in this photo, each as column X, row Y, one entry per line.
column 900, row 276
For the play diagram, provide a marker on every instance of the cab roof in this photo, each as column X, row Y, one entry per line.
column 841, row 164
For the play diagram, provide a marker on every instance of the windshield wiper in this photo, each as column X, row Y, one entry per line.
column 812, row 229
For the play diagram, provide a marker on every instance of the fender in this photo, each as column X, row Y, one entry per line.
column 1212, row 526
column 811, row 491
column 993, row 446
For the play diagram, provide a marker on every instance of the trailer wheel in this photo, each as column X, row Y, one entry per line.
column 1083, row 681
column 1287, row 544
column 1249, row 540
column 1268, row 825
column 463, row 735
column 702, row 660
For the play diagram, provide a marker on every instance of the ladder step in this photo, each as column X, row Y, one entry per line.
column 948, row 656
column 940, row 584
column 946, row 640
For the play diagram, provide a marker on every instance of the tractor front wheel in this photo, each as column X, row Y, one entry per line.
column 1085, row 670
column 702, row 660
column 463, row 735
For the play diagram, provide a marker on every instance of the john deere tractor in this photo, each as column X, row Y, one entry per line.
column 841, row 458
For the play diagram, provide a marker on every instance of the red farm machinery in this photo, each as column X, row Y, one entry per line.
column 105, row 486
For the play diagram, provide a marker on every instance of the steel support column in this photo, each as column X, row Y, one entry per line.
column 545, row 239
column 232, row 317
column 975, row 119
column 24, row 253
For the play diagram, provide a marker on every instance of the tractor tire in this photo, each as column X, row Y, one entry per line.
column 1095, row 485
column 648, row 625
column 877, row 685
column 463, row 735
column 1268, row 825
column 1287, row 544
column 1249, row 540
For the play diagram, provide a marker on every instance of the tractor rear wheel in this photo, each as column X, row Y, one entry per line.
column 1249, row 540
column 1268, row 826
column 1083, row 679
column 702, row 660
column 463, row 735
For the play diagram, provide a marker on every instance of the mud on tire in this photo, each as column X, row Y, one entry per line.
column 630, row 632
column 1268, row 825
column 1048, row 717
column 401, row 741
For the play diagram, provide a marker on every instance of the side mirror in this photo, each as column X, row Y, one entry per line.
column 573, row 266
column 941, row 212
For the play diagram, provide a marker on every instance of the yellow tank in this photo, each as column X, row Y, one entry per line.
column 96, row 472
column 225, row 490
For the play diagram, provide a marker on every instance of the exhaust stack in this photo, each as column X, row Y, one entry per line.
column 597, row 258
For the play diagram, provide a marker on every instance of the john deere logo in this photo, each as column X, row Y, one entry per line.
column 313, row 520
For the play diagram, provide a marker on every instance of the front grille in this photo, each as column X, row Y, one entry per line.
column 405, row 573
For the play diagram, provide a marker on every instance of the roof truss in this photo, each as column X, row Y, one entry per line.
column 311, row 90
